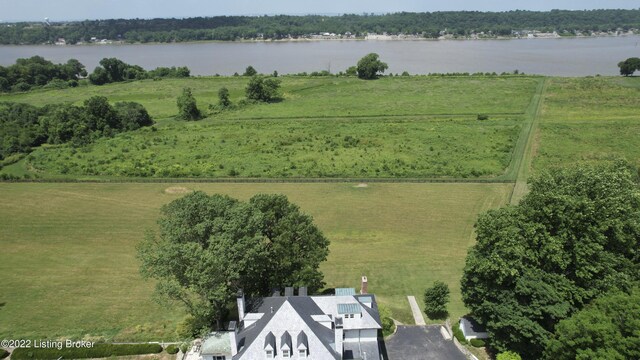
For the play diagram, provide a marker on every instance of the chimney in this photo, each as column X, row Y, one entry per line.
column 363, row 288
column 339, row 337
column 302, row 291
column 240, row 298
column 233, row 334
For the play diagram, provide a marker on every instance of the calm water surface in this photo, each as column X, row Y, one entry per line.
column 561, row 57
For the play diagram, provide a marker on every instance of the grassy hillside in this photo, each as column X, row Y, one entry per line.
column 324, row 127
column 68, row 250
column 589, row 120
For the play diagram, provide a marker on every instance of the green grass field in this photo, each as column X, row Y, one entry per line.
column 69, row 266
column 324, row 127
column 589, row 120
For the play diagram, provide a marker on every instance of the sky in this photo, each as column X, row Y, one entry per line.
column 60, row 10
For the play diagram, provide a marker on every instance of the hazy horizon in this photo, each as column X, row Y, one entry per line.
column 77, row 10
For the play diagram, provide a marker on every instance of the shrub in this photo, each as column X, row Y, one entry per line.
column 97, row 351
column 388, row 326
column 457, row 333
column 483, row 117
column 436, row 299
column 172, row 349
column 3, row 353
column 476, row 342
column 508, row 355
column 261, row 89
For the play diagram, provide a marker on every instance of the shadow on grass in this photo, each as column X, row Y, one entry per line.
column 438, row 315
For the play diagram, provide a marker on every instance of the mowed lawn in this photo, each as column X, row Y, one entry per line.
column 589, row 120
column 68, row 250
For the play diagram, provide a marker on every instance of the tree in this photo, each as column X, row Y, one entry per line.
column 132, row 116
column 261, row 89
column 223, row 97
column 436, row 299
column 187, row 107
column 606, row 329
column 369, row 67
column 99, row 76
column 250, row 71
column 629, row 66
column 210, row 247
column 572, row 238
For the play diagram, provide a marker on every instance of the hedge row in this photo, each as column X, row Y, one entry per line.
column 97, row 351
column 477, row 342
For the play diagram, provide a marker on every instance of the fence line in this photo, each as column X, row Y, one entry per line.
column 263, row 180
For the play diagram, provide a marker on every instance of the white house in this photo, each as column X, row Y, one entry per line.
column 471, row 329
column 340, row 326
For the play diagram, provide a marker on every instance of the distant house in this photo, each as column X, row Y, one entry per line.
column 471, row 329
column 340, row 326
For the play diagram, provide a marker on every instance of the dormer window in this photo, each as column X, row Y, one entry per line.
column 286, row 354
column 269, row 354
column 302, row 354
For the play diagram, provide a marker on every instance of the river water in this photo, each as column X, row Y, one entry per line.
column 559, row 57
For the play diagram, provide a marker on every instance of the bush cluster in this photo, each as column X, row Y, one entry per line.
column 457, row 333
column 37, row 71
column 97, row 351
column 477, row 342
column 172, row 349
column 3, row 353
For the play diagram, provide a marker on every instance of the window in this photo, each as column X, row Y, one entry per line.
column 269, row 354
column 302, row 354
column 285, row 353
column 219, row 358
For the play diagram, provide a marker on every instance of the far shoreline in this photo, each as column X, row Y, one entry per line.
column 386, row 38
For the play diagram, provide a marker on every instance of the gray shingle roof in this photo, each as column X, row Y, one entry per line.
column 285, row 339
column 305, row 307
column 303, row 342
column 270, row 341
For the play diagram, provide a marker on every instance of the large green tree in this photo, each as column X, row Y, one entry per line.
column 369, row 66
column 629, row 66
column 209, row 247
column 572, row 238
column 609, row 328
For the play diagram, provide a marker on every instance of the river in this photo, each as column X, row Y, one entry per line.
column 557, row 57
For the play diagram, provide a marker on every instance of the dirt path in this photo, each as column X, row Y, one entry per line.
column 524, row 164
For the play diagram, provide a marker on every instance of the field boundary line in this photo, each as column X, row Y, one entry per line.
column 520, row 188
column 265, row 180
column 372, row 116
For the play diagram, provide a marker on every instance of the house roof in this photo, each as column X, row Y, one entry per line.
column 300, row 306
column 353, row 308
column 285, row 340
column 270, row 341
column 471, row 327
column 303, row 341
column 345, row 291
column 216, row 343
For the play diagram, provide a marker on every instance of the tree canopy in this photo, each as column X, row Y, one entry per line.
column 572, row 238
column 435, row 300
column 609, row 328
column 263, row 89
column 210, row 247
column 369, row 66
column 187, row 106
column 37, row 71
column 629, row 66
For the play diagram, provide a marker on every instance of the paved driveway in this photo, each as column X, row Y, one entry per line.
column 421, row 343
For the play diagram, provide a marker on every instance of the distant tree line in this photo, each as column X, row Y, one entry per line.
column 37, row 71
column 282, row 26
column 115, row 70
column 24, row 126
